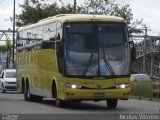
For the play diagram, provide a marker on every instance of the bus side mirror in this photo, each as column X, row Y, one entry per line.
column 133, row 51
column 58, row 36
column 60, row 49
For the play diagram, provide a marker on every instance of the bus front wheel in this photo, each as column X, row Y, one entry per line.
column 59, row 103
column 112, row 103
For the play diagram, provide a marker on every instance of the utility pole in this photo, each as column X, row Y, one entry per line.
column 13, row 33
column 74, row 6
column 144, row 57
column 152, row 64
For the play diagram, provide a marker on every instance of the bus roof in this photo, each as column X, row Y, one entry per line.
column 74, row 18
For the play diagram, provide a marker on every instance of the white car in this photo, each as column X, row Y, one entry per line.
column 8, row 80
column 140, row 77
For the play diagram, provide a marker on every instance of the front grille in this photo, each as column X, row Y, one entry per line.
column 10, row 87
column 98, row 88
column 11, row 82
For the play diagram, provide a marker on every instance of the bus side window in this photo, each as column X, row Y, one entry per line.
column 60, row 48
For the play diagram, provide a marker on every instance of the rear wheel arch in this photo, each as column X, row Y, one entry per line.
column 59, row 102
column 23, row 85
column 54, row 89
column 27, row 82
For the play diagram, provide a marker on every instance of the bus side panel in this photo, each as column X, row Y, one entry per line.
column 18, row 70
column 44, row 72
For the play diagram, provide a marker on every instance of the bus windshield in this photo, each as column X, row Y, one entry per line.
column 96, row 49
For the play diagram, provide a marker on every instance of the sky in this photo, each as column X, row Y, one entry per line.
column 148, row 10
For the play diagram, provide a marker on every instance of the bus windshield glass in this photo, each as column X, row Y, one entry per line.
column 96, row 49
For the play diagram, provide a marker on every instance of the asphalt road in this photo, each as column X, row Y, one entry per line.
column 13, row 103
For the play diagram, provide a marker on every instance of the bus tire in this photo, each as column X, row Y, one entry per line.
column 112, row 103
column 59, row 103
column 26, row 92
column 27, row 95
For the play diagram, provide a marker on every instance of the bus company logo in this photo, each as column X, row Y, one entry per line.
column 99, row 86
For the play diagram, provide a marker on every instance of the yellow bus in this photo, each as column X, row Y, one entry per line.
column 74, row 57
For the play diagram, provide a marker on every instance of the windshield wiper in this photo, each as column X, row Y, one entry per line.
column 88, row 63
column 108, row 64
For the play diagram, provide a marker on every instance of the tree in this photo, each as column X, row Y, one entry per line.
column 32, row 12
column 2, row 48
column 35, row 10
column 7, row 47
column 126, row 13
column 97, row 7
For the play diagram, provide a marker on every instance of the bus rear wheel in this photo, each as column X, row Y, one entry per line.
column 29, row 97
column 112, row 103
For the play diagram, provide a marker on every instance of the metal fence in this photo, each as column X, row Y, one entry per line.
column 147, row 55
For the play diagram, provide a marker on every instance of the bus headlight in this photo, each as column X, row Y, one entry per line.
column 73, row 86
column 123, row 86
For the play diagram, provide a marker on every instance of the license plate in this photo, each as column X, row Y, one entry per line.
column 98, row 94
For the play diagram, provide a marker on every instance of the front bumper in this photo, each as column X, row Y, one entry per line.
column 82, row 94
column 10, row 86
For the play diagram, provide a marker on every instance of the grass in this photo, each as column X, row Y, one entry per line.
column 142, row 89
